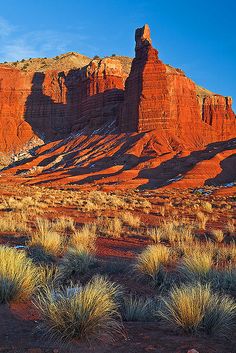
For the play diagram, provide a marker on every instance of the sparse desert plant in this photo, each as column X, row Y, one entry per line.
column 155, row 234
column 202, row 219
column 175, row 232
column 162, row 211
column 195, row 308
column 131, row 220
column 14, row 222
column 81, row 313
column 224, row 278
column 76, row 262
column 197, row 266
column 230, row 227
column 207, row 206
column 110, row 227
column 46, row 238
column 137, row 308
column 149, row 264
column 185, row 306
column 64, row 224
column 84, row 238
column 220, row 316
column 18, row 276
column 218, row 235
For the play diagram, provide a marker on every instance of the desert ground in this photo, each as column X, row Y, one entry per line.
column 130, row 252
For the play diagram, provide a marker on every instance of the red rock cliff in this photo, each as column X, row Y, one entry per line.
column 160, row 97
column 54, row 103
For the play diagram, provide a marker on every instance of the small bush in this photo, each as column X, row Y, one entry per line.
column 137, row 309
column 18, row 276
column 130, row 220
column 155, row 234
column 202, row 220
column 110, row 227
column 13, row 223
column 149, row 264
column 81, row 313
column 46, row 238
column 76, row 262
column 197, row 266
column 218, row 235
column 84, row 238
column 64, row 224
column 207, row 206
column 195, row 308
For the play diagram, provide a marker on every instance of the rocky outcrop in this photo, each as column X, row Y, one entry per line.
column 101, row 93
column 51, row 104
column 14, row 90
column 160, row 97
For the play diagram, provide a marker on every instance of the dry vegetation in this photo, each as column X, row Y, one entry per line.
column 188, row 259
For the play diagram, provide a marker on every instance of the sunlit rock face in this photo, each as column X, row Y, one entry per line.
column 147, row 95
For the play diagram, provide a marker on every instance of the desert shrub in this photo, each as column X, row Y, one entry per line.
column 197, row 267
column 82, row 313
column 149, row 264
column 18, row 276
column 84, row 238
column 76, row 262
column 195, row 308
column 207, row 206
column 230, row 227
column 64, row 224
column 137, row 308
column 174, row 232
column 46, row 238
column 130, row 220
column 155, row 234
column 110, row 227
column 218, row 235
column 202, row 220
column 224, row 278
column 14, row 223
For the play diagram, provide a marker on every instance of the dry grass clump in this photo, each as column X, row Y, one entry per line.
column 175, row 232
column 137, row 309
column 46, row 237
column 195, row 308
column 150, row 262
column 76, row 262
column 207, row 206
column 196, row 266
column 64, row 224
column 230, row 227
column 14, row 222
column 218, row 235
column 81, row 313
column 155, row 234
column 110, row 227
column 202, row 220
column 130, row 220
column 26, row 204
column 84, row 238
column 18, row 276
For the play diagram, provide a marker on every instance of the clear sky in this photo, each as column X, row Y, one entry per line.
column 196, row 36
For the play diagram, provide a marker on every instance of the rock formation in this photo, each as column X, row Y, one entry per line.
column 160, row 97
column 51, row 104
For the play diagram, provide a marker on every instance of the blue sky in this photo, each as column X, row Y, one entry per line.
column 198, row 37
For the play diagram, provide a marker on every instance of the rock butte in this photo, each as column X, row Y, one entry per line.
column 108, row 124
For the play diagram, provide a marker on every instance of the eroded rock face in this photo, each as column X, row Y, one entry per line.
column 160, row 97
column 14, row 90
column 54, row 103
